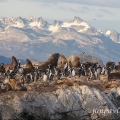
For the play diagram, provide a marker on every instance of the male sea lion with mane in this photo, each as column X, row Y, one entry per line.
column 52, row 60
column 74, row 61
column 63, row 60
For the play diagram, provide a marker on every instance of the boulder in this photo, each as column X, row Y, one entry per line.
column 71, row 102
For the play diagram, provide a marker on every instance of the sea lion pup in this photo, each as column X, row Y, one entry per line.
column 12, row 65
column 16, row 85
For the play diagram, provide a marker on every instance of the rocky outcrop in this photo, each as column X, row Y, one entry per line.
column 86, row 58
column 69, row 103
column 114, row 96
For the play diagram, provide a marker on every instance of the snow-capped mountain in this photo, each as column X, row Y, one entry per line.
column 115, row 36
column 36, row 39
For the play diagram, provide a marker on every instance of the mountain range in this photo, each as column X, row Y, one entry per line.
column 36, row 39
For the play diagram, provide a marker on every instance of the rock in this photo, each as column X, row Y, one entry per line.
column 72, row 102
column 86, row 58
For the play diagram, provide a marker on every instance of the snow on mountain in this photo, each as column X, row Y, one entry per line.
column 13, row 34
column 37, row 22
column 77, row 24
column 15, row 22
column 55, row 26
column 35, row 38
column 115, row 36
column 108, row 32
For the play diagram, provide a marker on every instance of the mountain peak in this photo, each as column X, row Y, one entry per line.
column 77, row 19
column 115, row 36
column 32, row 36
column 57, row 23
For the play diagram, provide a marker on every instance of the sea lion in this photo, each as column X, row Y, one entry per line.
column 8, row 87
column 16, row 85
column 52, row 61
column 28, row 67
column 111, row 85
column 63, row 60
column 113, row 76
column 12, row 65
column 73, row 61
column 28, row 64
column 5, row 88
column 110, row 64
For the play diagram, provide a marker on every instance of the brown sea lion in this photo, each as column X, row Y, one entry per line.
column 8, row 87
column 44, row 66
column 12, row 65
column 14, row 62
column 90, row 63
column 28, row 64
column 111, row 85
column 117, row 67
column 5, row 88
column 52, row 61
column 16, row 85
column 109, row 64
column 28, row 67
column 73, row 61
column 63, row 60
column 113, row 76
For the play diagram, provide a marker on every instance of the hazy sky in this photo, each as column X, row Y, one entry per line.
column 105, row 12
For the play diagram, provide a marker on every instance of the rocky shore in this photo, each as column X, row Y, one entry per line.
column 62, row 100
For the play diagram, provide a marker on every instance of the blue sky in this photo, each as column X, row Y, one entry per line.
column 101, row 14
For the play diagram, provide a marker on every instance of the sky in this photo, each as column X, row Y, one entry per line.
column 101, row 14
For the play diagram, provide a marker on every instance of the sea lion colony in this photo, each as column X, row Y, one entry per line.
column 57, row 67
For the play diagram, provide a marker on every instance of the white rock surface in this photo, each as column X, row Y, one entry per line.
column 75, row 102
